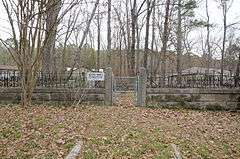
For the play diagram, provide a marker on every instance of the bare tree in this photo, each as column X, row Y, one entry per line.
column 28, row 20
column 98, row 38
column 52, row 12
column 134, row 20
column 224, row 11
column 179, row 39
column 85, row 33
column 109, row 32
column 70, row 27
column 146, row 49
column 153, row 38
column 165, row 38
column 209, row 56
column 237, row 75
column 29, row 40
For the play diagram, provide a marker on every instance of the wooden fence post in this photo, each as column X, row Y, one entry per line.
column 108, row 87
column 141, row 87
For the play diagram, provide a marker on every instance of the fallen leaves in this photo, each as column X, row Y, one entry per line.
column 117, row 132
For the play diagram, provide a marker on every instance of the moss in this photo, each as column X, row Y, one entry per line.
column 238, row 106
column 50, row 155
column 157, row 98
column 203, row 152
column 39, row 121
column 135, row 133
column 69, row 144
column 177, row 98
column 238, row 147
column 195, row 98
column 22, row 154
column 170, row 97
column 214, row 107
column 226, row 148
column 31, row 144
column 153, row 106
column 89, row 154
column 182, row 103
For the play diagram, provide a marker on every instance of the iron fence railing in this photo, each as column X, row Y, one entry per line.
column 13, row 79
column 193, row 81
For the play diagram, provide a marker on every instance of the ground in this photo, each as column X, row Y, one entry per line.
column 117, row 132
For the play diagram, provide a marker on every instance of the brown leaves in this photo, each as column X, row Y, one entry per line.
column 117, row 132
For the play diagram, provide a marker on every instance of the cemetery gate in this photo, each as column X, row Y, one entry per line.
column 132, row 87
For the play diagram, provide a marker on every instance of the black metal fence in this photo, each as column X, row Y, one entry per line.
column 193, row 81
column 13, row 79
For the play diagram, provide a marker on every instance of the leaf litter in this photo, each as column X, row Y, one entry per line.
column 121, row 131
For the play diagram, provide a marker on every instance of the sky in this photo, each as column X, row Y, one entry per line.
column 216, row 18
column 216, row 12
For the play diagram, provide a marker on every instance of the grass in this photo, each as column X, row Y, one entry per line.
column 203, row 151
column 238, row 147
column 117, row 132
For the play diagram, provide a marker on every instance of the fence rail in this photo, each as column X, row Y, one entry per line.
column 193, row 81
column 13, row 79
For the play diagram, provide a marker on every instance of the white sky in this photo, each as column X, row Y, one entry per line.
column 216, row 19
column 216, row 13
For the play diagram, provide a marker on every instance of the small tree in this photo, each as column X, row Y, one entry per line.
column 27, row 19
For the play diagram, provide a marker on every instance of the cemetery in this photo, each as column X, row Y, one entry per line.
column 119, row 79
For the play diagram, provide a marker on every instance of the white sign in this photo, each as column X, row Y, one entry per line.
column 95, row 76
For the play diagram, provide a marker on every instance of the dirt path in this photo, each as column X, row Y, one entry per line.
column 125, row 99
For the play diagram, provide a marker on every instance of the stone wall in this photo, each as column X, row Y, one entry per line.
column 54, row 94
column 211, row 99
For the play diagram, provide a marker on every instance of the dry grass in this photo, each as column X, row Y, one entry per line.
column 117, row 132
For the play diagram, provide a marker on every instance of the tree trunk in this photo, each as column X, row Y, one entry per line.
column 224, row 5
column 209, row 56
column 237, row 71
column 109, row 33
column 165, row 40
column 53, row 9
column 153, row 39
column 146, row 49
column 27, row 87
column 138, row 31
column 134, row 19
column 98, row 39
column 120, row 51
column 179, row 42
column 128, row 51
column 78, row 55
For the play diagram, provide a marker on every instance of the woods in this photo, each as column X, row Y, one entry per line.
column 164, row 36
column 119, row 79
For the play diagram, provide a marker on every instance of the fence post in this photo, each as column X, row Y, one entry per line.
column 108, row 87
column 141, row 87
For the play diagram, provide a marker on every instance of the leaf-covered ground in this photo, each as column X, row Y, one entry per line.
column 117, row 132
